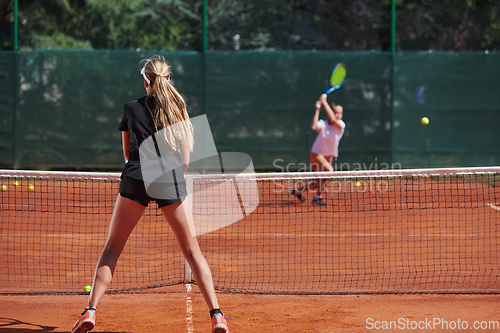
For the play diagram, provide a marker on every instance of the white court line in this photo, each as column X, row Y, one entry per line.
column 189, row 314
column 493, row 206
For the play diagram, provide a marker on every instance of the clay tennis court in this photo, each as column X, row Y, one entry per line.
column 167, row 310
column 368, row 255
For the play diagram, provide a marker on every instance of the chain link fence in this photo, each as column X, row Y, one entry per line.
column 270, row 25
column 448, row 25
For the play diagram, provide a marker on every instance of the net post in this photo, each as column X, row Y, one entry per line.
column 187, row 276
column 188, row 209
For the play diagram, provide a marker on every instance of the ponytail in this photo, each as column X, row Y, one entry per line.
column 170, row 107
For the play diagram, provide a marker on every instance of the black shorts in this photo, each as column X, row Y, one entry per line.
column 135, row 190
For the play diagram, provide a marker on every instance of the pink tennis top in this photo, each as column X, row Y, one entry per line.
column 327, row 141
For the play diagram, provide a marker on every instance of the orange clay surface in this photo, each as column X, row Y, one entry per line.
column 170, row 309
column 378, row 241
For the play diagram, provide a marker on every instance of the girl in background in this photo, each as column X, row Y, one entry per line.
column 325, row 146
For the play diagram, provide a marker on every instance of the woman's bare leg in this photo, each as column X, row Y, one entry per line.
column 125, row 217
column 320, row 163
column 178, row 221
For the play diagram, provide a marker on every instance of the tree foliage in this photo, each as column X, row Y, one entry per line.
column 117, row 24
column 446, row 25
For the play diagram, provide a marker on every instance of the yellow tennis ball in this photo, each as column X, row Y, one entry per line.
column 16, row 183
column 4, row 187
column 424, row 121
column 358, row 184
column 31, row 187
column 87, row 289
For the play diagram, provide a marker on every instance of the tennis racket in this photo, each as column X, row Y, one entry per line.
column 337, row 78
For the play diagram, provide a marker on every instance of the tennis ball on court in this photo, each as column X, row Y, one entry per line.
column 4, row 187
column 16, row 183
column 31, row 187
column 87, row 289
column 358, row 184
column 424, row 121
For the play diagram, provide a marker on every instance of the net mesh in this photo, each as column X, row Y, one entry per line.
column 403, row 231
column 53, row 232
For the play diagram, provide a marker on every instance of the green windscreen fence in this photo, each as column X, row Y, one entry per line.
column 460, row 94
column 61, row 109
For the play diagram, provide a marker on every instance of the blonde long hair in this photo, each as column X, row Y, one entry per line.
column 170, row 107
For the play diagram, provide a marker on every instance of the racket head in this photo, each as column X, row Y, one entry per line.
column 337, row 78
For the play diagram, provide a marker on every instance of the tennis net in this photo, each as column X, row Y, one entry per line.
column 385, row 231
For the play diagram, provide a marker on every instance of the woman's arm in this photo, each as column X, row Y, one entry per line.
column 332, row 119
column 126, row 144
column 314, row 122
column 185, row 156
